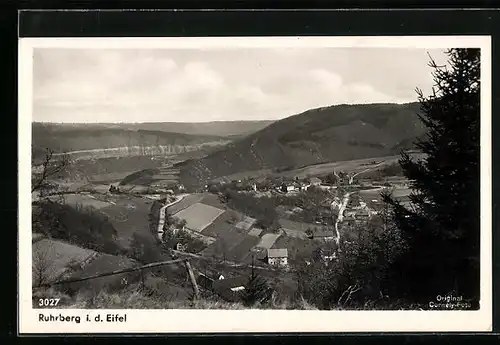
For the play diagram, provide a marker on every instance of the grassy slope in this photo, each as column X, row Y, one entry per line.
column 334, row 133
column 133, row 297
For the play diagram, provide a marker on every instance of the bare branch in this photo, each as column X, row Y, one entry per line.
column 50, row 168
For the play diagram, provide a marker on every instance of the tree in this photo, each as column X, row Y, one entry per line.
column 256, row 290
column 50, row 168
column 144, row 248
column 353, row 278
column 43, row 264
column 441, row 228
column 331, row 178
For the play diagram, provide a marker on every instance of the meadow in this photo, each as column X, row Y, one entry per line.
column 52, row 258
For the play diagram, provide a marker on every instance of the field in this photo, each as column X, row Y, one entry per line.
column 187, row 201
column 102, row 264
column 55, row 256
column 351, row 166
column 95, row 187
column 254, row 174
column 372, row 198
column 198, row 216
column 401, row 192
column 297, row 248
column 223, row 224
column 267, row 240
column 128, row 215
column 85, row 200
column 109, row 177
column 212, row 200
column 242, row 251
column 236, row 243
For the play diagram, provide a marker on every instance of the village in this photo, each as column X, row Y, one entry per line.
column 236, row 238
column 272, row 223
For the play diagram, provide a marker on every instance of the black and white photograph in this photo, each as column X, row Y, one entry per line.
column 274, row 175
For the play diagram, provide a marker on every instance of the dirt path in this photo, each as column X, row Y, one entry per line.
column 351, row 179
column 161, row 220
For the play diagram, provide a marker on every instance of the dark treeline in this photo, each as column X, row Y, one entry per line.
column 82, row 226
column 415, row 254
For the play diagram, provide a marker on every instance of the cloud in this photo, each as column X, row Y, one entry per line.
column 194, row 85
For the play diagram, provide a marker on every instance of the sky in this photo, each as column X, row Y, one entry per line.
column 202, row 85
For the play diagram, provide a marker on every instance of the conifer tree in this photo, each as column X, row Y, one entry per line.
column 441, row 228
column 256, row 290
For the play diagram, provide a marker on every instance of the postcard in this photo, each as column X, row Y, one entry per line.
column 255, row 184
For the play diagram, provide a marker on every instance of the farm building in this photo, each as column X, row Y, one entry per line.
column 277, row 257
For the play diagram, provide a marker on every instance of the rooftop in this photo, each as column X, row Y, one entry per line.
column 277, row 253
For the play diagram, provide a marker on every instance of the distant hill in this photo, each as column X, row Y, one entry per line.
column 215, row 128
column 327, row 134
column 74, row 137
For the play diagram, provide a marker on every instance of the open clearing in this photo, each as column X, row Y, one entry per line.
column 83, row 200
column 106, row 263
column 128, row 215
column 242, row 251
column 198, row 216
column 350, row 166
column 347, row 166
column 55, row 256
column 401, row 192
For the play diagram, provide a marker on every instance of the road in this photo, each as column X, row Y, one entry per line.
column 340, row 216
column 161, row 220
column 351, row 179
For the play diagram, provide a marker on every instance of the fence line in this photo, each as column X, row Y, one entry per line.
column 126, row 270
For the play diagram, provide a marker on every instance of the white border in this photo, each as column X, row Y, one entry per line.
column 208, row 321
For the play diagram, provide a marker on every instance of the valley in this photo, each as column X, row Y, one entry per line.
column 228, row 203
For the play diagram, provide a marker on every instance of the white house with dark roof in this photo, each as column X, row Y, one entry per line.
column 277, row 257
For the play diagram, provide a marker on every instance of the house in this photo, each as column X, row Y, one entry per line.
column 277, row 257
column 230, row 288
column 314, row 181
column 180, row 247
column 362, row 214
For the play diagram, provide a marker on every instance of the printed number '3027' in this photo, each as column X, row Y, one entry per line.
column 48, row 302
